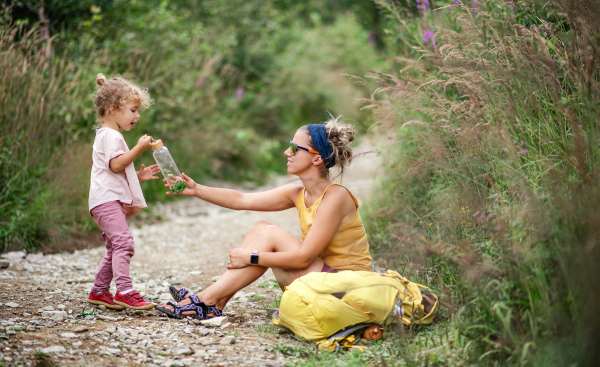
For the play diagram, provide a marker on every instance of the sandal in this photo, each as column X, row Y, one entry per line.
column 202, row 311
column 178, row 295
column 177, row 311
column 209, row 311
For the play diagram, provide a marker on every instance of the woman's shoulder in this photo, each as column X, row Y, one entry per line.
column 337, row 192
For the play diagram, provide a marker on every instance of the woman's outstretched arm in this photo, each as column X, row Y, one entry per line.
column 280, row 198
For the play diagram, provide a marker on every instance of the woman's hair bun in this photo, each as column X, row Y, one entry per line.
column 100, row 79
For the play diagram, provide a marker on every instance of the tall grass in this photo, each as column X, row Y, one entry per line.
column 492, row 188
column 35, row 127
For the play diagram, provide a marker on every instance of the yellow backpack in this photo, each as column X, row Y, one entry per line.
column 328, row 308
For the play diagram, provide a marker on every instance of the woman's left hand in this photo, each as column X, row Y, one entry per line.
column 238, row 258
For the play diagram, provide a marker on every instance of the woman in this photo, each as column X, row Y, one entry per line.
column 333, row 235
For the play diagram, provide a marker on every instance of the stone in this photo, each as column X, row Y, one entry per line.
column 12, row 304
column 107, row 318
column 226, row 325
column 184, row 351
column 204, row 331
column 48, row 308
column 113, row 351
column 81, row 329
column 4, row 264
column 228, row 340
column 215, row 321
column 14, row 255
column 55, row 315
column 151, row 354
column 188, row 361
column 173, row 363
column 68, row 335
column 53, row 349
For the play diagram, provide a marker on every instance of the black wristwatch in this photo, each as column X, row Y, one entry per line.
column 254, row 257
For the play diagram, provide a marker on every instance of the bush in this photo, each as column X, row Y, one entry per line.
column 492, row 185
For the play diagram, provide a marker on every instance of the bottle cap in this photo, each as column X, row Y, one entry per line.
column 156, row 144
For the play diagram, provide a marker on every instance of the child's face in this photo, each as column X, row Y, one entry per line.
column 127, row 116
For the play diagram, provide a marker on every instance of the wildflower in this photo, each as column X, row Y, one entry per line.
column 428, row 37
column 424, row 6
column 239, row 93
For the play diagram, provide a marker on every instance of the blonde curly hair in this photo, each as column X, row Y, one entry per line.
column 117, row 91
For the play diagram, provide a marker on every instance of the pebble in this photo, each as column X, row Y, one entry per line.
column 53, row 349
column 12, row 304
column 215, row 321
column 68, row 335
column 205, row 331
column 56, row 315
column 185, row 351
column 113, row 351
column 107, row 318
column 228, row 340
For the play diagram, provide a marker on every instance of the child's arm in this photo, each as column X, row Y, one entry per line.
column 148, row 173
column 118, row 164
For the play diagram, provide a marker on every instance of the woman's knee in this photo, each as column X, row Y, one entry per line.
column 257, row 228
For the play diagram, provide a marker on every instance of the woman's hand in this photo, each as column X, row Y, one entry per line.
column 148, row 173
column 190, row 190
column 238, row 258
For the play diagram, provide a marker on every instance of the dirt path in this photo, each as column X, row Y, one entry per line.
column 42, row 296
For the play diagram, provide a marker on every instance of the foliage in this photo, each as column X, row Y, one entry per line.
column 491, row 188
column 231, row 82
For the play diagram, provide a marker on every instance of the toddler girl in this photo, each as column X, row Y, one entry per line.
column 115, row 191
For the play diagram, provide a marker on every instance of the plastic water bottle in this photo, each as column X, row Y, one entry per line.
column 167, row 166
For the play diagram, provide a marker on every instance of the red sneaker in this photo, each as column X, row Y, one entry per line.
column 106, row 299
column 133, row 300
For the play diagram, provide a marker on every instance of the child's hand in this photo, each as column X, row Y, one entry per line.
column 144, row 142
column 190, row 190
column 148, row 173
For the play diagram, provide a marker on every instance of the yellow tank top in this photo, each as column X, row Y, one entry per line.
column 348, row 249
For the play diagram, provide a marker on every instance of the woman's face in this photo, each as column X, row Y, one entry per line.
column 302, row 160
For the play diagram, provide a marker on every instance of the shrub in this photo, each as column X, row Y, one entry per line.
column 494, row 172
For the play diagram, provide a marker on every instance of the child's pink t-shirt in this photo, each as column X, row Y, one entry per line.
column 107, row 185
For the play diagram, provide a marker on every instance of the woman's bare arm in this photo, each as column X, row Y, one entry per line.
column 277, row 199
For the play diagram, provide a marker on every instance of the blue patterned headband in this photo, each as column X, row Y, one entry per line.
column 319, row 138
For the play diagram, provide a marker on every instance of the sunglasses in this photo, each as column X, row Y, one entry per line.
column 294, row 148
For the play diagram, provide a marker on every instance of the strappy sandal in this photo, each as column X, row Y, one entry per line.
column 178, row 310
column 209, row 311
column 202, row 311
column 178, row 295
